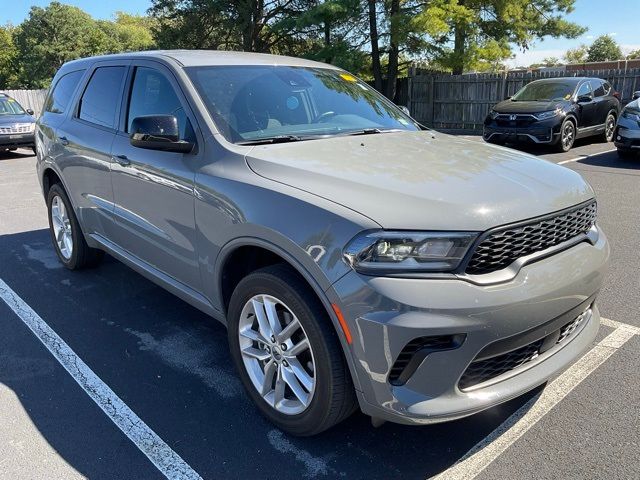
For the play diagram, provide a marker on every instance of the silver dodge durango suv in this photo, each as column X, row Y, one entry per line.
column 355, row 257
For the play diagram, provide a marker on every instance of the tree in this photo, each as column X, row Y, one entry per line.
column 481, row 28
column 633, row 54
column 8, row 57
column 53, row 35
column 577, row 55
column 128, row 33
column 604, row 48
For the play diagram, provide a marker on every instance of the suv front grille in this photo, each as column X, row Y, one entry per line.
column 480, row 371
column 503, row 246
column 17, row 128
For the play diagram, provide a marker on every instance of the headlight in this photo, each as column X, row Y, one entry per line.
column 394, row 252
column 493, row 114
column 631, row 114
column 32, row 127
column 549, row 114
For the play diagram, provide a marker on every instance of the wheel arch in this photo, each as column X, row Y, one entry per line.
column 275, row 254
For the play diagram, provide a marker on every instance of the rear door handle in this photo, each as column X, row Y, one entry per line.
column 122, row 160
column 64, row 141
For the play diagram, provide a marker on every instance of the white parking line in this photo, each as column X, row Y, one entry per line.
column 170, row 464
column 493, row 445
column 582, row 157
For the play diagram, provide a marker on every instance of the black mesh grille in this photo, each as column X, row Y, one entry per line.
column 502, row 247
column 483, row 370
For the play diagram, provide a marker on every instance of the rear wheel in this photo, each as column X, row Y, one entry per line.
column 287, row 352
column 609, row 127
column 66, row 235
column 567, row 136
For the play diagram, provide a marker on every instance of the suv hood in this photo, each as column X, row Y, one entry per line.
column 509, row 106
column 13, row 119
column 423, row 180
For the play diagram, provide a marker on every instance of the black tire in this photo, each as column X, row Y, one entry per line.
column 565, row 144
column 609, row 128
column 625, row 154
column 82, row 256
column 495, row 141
column 334, row 397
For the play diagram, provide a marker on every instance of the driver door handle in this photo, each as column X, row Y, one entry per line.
column 122, row 160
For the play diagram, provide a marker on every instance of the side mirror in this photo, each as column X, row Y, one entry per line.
column 404, row 109
column 636, row 95
column 508, row 97
column 30, row 112
column 584, row 98
column 158, row 132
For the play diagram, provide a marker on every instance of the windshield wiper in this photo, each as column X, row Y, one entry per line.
column 372, row 131
column 275, row 139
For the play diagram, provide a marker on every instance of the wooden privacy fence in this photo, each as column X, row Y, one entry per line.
column 33, row 99
column 461, row 102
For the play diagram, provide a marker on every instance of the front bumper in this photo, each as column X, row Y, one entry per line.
column 627, row 134
column 385, row 314
column 544, row 131
column 17, row 140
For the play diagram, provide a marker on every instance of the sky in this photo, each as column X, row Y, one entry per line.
column 619, row 18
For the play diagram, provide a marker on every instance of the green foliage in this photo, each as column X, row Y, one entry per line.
column 577, row 55
column 58, row 33
column 482, row 30
column 634, row 54
column 8, row 57
column 604, row 48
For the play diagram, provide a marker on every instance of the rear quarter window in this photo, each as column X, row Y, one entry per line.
column 62, row 91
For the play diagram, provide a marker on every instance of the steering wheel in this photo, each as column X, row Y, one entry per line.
column 324, row 116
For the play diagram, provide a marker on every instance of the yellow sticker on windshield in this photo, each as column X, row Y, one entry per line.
column 567, row 96
column 348, row 77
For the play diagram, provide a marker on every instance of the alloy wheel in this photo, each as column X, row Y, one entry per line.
column 62, row 227
column 610, row 127
column 277, row 354
column 568, row 135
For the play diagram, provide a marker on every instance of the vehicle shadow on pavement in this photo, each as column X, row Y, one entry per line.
column 541, row 149
column 170, row 363
column 611, row 160
column 11, row 155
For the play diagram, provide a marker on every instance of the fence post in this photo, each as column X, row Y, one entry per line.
column 504, row 86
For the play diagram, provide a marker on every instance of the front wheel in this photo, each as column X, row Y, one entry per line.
column 287, row 352
column 567, row 136
column 609, row 128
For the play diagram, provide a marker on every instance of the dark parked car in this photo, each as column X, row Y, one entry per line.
column 627, row 134
column 16, row 124
column 555, row 111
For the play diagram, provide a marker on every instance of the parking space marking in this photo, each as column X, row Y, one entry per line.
column 614, row 324
column 494, row 444
column 582, row 157
column 170, row 464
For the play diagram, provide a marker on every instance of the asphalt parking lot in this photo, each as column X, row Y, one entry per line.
column 169, row 364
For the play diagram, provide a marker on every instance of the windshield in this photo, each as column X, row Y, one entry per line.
column 8, row 106
column 249, row 103
column 544, row 91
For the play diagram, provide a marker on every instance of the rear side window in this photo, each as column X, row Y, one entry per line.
column 60, row 96
column 598, row 88
column 102, row 96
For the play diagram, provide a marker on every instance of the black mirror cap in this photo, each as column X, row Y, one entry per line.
column 584, row 99
column 30, row 112
column 636, row 95
column 158, row 132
